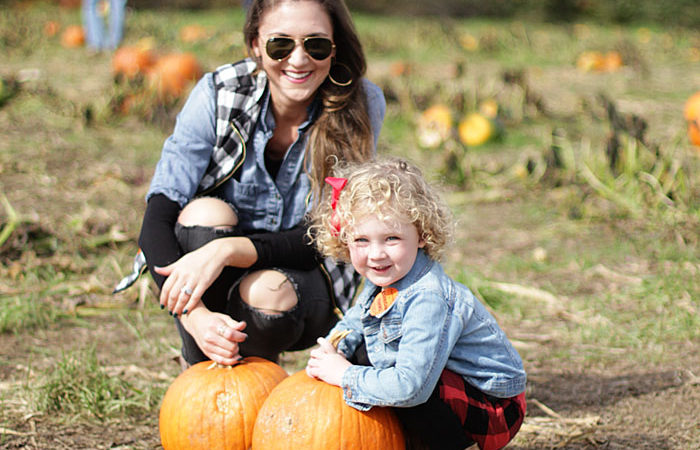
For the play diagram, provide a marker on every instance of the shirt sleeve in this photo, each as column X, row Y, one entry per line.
column 422, row 354
column 157, row 239
column 291, row 248
column 187, row 151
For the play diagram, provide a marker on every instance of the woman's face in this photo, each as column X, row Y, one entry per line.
column 295, row 79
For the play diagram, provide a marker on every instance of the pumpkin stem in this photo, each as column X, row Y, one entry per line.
column 336, row 337
column 222, row 366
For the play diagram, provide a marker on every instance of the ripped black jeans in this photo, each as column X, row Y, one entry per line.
column 268, row 334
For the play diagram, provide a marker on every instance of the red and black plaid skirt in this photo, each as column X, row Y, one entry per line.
column 489, row 421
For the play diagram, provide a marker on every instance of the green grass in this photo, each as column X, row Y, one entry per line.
column 23, row 312
column 78, row 386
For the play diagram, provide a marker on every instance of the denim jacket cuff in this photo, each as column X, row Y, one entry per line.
column 349, row 387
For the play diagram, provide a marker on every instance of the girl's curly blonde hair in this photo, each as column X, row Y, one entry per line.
column 391, row 188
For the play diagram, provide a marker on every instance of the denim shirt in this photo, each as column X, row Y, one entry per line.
column 434, row 323
column 262, row 203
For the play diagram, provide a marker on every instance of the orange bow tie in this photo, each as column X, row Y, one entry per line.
column 383, row 301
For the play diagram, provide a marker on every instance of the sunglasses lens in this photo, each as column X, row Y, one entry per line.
column 318, row 48
column 279, row 47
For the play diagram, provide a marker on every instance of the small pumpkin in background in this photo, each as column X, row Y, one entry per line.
column 434, row 126
column 476, row 129
column 51, row 28
column 192, row 33
column 173, row 73
column 73, row 36
column 130, row 62
column 304, row 413
column 691, row 112
column 210, row 407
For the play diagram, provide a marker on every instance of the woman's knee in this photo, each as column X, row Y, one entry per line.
column 268, row 291
column 208, row 212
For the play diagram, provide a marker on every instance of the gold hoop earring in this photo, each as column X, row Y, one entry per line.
column 348, row 74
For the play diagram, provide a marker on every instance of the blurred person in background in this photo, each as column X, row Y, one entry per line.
column 101, row 14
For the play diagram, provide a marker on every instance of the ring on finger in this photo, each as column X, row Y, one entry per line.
column 221, row 330
column 186, row 290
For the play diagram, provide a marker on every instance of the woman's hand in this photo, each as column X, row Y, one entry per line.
column 217, row 335
column 191, row 275
column 326, row 364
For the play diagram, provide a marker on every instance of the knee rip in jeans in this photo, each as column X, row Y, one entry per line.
column 210, row 212
column 269, row 291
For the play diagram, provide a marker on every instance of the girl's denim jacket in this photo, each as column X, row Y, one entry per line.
column 435, row 323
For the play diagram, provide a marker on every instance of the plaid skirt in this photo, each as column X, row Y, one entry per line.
column 489, row 421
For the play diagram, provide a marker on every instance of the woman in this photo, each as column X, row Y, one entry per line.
column 224, row 229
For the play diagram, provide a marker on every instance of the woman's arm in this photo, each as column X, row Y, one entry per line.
column 157, row 239
column 291, row 248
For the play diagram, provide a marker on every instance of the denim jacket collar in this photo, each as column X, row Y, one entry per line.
column 421, row 266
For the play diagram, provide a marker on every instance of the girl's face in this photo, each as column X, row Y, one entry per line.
column 295, row 79
column 383, row 252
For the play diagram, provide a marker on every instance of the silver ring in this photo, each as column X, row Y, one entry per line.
column 221, row 329
column 186, row 290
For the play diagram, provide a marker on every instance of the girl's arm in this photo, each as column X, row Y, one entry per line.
column 423, row 350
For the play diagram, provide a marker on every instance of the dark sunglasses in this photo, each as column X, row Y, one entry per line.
column 319, row 48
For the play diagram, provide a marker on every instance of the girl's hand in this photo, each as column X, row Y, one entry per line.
column 326, row 364
column 217, row 335
column 189, row 277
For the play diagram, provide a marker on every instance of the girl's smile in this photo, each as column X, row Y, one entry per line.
column 382, row 251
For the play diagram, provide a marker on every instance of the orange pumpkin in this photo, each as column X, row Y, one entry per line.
column 434, row 126
column 305, row 413
column 193, row 33
column 51, row 27
column 612, row 62
column 73, row 36
column 475, row 129
column 130, row 62
column 214, row 407
column 173, row 74
column 691, row 112
column 590, row 60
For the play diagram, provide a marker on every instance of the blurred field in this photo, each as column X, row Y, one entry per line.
column 578, row 224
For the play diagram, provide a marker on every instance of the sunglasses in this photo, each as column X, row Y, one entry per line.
column 319, row 48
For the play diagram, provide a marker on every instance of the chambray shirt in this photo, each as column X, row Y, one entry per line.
column 261, row 203
column 434, row 323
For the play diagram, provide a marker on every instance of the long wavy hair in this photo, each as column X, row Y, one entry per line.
column 342, row 131
column 391, row 188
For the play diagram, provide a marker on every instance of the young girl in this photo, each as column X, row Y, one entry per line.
column 419, row 341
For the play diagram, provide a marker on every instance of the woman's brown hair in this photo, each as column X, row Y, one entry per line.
column 342, row 131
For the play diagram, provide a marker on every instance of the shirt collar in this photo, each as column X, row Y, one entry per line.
column 268, row 122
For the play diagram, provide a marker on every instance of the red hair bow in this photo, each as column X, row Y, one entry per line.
column 337, row 184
